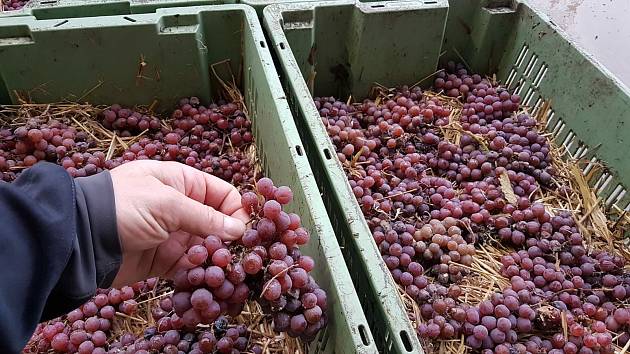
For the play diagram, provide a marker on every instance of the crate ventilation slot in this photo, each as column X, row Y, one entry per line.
column 531, row 64
column 526, row 75
column 510, row 78
column 592, row 163
column 537, row 105
column 406, row 341
column 519, row 86
column 616, row 195
column 557, row 128
column 529, row 96
column 521, row 56
column 542, row 71
column 569, row 140
column 602, row 182
column 550, row 118
column 61, row 23
column 581, row 151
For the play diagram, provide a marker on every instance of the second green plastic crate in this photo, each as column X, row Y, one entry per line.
column 343, row 48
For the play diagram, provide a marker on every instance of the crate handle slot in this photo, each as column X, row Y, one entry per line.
column 129, row 19
column 327, row 154
column 262, row 44
column 298, row 149
column 404, row 336
column 61, row 23
column 364, row 336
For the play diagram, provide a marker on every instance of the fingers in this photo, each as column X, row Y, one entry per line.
column 135, row 267
column 189, row 215
column 241, row 214
column 202, row 187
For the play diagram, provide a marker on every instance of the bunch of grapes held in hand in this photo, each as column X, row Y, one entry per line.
column 266, row 265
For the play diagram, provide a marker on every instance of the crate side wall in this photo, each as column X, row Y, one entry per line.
column 369, row 47
column 286, row 166
column 59, row 9
column 589, row 108
column 63, row 9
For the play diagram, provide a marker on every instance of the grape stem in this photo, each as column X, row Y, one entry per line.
column 130, row 317
column 397, row 194
column 274, row 277
column 168, row 293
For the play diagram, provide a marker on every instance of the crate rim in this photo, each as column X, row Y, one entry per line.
column 271, row 11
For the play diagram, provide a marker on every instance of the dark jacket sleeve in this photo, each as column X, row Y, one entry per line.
column 58, row 243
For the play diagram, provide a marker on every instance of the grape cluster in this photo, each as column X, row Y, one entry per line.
column 266, row 265
column 127, row 122
column 54, row 141
column 88, row 328
column 214, row 139
column 430, row 197
column 85, row 329
column 168, row 338
column 8, row 5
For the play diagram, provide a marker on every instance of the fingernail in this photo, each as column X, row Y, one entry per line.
column 233, row 227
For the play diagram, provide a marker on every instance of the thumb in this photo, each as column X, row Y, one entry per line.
column 199, row 219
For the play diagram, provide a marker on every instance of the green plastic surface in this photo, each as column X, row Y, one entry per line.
column 60, row 9
column 97, row 60
column 342, row 48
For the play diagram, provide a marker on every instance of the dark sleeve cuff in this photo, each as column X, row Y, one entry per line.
column 97, row 192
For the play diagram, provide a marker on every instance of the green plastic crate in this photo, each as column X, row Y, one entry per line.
column 95, row 60
column 342, row 67
column 59, row 9
column 347, row 46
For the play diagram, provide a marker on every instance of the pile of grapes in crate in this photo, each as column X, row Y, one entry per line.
column 480, row 221
column 8, row 5
column 252, row 295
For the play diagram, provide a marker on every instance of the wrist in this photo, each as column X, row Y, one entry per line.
column 98, row 194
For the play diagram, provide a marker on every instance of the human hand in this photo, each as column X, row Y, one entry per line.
column 163, row 208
